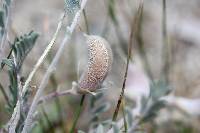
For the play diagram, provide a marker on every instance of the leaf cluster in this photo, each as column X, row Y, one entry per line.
column 154, row 103
column 20, row 48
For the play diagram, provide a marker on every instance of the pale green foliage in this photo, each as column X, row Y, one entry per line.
column 21, row 47
column 152, row 104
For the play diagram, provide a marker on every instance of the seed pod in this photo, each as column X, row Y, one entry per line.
column 99, row 64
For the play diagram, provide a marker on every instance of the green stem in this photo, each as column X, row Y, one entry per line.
column 1, row 87
column 77, row 114
column 57, row 100
column 83, row 96
column 166, row 46
column 58, row 104
column 4, row 93
column 47, row 119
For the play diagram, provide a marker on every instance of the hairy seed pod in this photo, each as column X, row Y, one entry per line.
column 99, row 64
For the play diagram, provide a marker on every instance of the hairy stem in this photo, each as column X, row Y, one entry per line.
column 166, row 45
column 14, row 119
column 53, row 95
column 43, row 56
column 51, row 68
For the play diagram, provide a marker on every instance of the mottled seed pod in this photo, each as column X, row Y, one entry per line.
column 99, row 64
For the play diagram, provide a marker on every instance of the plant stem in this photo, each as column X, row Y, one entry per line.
column 16, row 111
column 83, row 96
column 1, row 86
column 139, row 40
column 52, row 95
column 77, row 114
column 43, row 56
column 47, row 119
column 124, row 116
column 166, row 45
column 4, row 93
column 51, row 68
column 57, row 100
column 125, row 75
column 86, row 22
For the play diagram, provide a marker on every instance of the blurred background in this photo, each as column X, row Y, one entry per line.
column 113, row 19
